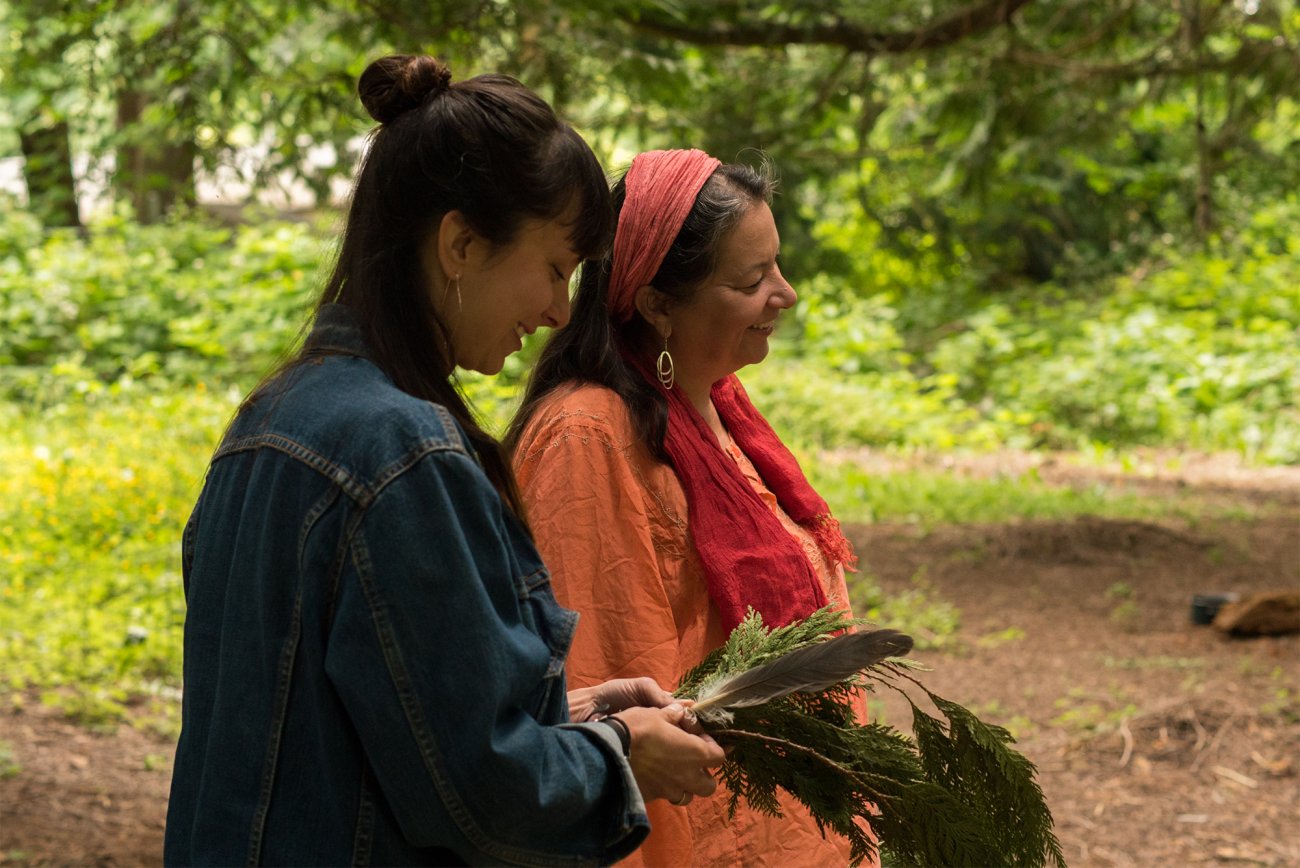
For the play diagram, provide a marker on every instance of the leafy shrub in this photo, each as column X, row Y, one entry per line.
column 812, row 406
column 92, row 502
column 930, row 621
column 934, row 497
column 124, row 352
column 1198, row 349
column 180, row 303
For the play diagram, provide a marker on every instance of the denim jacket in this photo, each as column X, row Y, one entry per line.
column 374, row 661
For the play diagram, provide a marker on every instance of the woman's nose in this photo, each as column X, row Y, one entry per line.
column 785, row 296
column 557, row 315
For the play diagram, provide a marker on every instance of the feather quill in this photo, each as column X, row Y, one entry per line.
column 807, row 670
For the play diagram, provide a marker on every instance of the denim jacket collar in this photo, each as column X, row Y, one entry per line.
column 336, row 330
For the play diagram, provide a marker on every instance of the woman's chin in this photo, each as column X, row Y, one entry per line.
column 488, row 367
column 746, row 364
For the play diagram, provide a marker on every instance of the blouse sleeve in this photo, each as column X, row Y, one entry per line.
column 439, row 651
column 593, row 517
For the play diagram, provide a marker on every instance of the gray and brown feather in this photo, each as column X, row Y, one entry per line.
column 805, row 670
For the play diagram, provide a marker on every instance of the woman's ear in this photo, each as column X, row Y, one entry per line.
column 457, row 243
column 655, row 307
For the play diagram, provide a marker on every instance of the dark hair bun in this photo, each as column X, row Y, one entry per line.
column 400, row 82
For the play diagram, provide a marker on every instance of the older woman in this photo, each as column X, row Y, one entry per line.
column 661, row 499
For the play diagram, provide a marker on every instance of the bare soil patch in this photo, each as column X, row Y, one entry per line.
column 1157, row 742
column 77, row 797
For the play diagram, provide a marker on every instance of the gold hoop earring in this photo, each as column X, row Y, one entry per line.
column 664, row 367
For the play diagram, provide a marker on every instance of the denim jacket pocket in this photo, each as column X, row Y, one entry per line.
column 552, row 623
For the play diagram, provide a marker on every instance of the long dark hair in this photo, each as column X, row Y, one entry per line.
column 487, row 147
column 591, row 347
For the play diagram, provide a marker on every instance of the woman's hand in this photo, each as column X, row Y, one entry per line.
column 587, row 703
column 667, row 761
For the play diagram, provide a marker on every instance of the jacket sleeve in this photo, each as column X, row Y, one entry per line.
column 592, row 516
column 444, row 655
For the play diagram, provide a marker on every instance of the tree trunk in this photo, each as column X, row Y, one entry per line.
column 51, row 185
column 154, row 176
column 1203, row 212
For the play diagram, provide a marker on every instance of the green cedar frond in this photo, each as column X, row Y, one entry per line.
column 955, row 794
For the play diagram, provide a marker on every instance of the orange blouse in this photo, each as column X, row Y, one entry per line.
column 610, row 522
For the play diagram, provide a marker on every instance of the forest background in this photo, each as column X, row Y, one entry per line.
column 1067, row 229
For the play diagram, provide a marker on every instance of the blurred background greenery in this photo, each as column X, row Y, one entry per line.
column 1014, row 225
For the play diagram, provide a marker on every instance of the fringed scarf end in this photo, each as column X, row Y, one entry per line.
column 830, row 539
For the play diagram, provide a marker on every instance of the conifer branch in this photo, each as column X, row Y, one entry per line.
column 956, row 793
column 725, row 735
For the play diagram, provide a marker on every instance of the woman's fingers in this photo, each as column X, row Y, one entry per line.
column 668, row 761
column 621, row 693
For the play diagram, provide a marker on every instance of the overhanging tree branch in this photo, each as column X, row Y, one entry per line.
column 1158, row 63
column 969, row 21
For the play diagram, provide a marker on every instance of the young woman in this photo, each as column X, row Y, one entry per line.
column 664, row 504
column 374, row 661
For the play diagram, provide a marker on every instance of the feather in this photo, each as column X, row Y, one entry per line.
column 809, row 669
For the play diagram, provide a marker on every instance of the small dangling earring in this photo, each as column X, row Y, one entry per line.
column 455, row 280
column 664, row 367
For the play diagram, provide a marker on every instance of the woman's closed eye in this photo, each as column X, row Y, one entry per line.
column 759, row 276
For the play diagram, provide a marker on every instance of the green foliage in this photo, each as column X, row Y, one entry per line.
column 972, row 761
column 998, row 638
column 930, row 621
column 1196, row 349
column 930, row 498
column 140, row 338
column 1285, row 701
column 818, row 407
column 1081, row 712
column 956, row 795
column 1037, row 144
column 1160, row 661
column 92, row 502
column 253, row 88
column 169, row 304
column 9, row 766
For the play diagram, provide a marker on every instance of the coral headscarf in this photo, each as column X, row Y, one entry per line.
column 749, row 559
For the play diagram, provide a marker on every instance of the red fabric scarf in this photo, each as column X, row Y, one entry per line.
column 749, row 558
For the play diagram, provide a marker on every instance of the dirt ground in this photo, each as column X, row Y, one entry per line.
column 1158, row 743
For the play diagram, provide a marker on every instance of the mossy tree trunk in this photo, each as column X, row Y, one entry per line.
column 155, row 174
column 51, row 183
